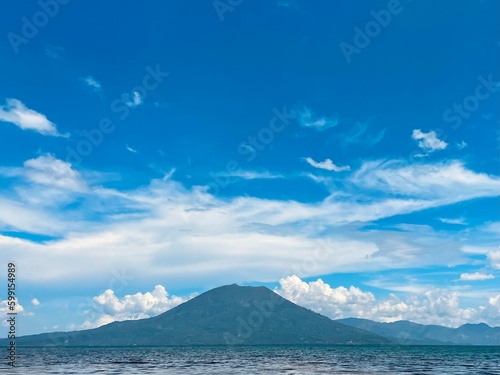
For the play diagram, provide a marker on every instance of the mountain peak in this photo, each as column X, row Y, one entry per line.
column 227, row 315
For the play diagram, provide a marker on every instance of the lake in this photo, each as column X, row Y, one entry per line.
column 259, row 360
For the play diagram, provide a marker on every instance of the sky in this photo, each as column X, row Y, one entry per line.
column 344, row 155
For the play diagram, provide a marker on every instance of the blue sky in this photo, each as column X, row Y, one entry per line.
column 151, row 151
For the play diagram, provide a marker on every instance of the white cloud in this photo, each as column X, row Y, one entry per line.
column 448, row 181
column 132, row 306
column 5, row 308
column 494, row 258
column 435, row 306
column 49, row 171
column 17, row 113
column 420, row 156
column 475, row 249
column 35, row 302
column 457, row 221
column 491, row 227
column 42, row 185
column 20, row 217
column 132, row 150
column 308, row 119
column 92, row 83
column 475, row 276
column 428, row 141
column 134, row 100
column 183, row 233
column 461, row 145
column 327, row 164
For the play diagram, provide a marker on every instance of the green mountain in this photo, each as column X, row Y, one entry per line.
column 229, row 315
column 406, row 332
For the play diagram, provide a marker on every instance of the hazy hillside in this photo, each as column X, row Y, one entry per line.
column 414, row 333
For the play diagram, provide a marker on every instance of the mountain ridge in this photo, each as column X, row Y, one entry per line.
column 227, row 315
column 407, row 332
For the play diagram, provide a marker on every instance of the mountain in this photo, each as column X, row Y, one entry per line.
column 406, row 332
column 229, row 315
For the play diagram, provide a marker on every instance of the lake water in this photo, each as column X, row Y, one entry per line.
column 258, row 360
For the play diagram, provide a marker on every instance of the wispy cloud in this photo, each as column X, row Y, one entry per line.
column 49, row 171
column 494, row 258
column 360, row 134
column 461, row 145
column 168, row 223
column 288, row 3
column 428, row 141
column 476, row 276
column 133, row 150
column 54, row 52
column 458, row 221
column 255, row 175
column 15, row 112
column 327, row 164
column 448, row 181
column 44, row 181
column 93, row 83
column 306, row 118
column 375, row 138
column 134, row 100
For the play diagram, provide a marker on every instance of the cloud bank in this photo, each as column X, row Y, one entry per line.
column 434, row 306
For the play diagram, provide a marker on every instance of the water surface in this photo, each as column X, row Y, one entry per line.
column 259, row 360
